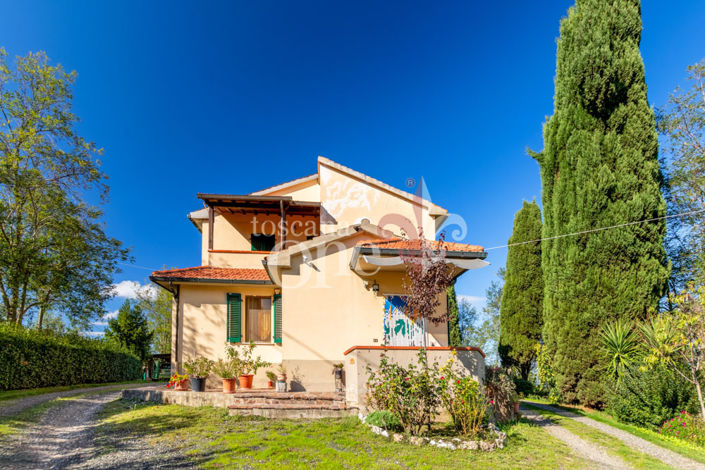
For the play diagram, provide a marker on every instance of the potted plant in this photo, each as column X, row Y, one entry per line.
column 228, row 370
column 250, row 364
column 272, row 378
column 178, row 382
column 281, row 378
column 198, row 368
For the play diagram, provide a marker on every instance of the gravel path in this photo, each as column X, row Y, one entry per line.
column 664, row 455
column 14, row 406
column 595, row 454
column 65, row 437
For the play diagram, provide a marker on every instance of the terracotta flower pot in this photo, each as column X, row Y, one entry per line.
column 246, row 381
column 229, row 385
column 516, row 408
column 270, row 384
column 182, row 386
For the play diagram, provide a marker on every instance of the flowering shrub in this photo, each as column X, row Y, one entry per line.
column 463, row 399
column 177, row 379
column 501, row 393
column 411, row 394
column 687, row 427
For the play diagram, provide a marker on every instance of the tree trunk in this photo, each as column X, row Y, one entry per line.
column 41, row 318
column 700, row 395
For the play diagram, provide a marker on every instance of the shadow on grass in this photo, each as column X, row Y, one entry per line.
column 163, row 436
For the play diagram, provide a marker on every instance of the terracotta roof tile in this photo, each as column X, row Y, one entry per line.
column 213, row 273
column 401, row 244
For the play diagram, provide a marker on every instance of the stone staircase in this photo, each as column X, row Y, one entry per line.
column 289, row 405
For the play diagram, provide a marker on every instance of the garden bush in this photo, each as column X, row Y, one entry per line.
column 501, row 393
column 33, row 358
column 411, row 394
column 649, row 398
column 687, row 427
column 463, row 400
column 384, row 419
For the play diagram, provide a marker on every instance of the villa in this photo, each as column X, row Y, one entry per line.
column 311, row 271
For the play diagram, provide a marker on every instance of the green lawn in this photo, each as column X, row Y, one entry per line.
column 28, row 392
column 678, row 446
column 215, row 440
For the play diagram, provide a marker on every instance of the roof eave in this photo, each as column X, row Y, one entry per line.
column 157, row 279
column 368, row 250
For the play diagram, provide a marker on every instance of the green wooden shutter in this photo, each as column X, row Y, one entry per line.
column 278, row 318
column 234, row 318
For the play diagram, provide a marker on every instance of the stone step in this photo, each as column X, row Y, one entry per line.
column 299, row 396
column 275, row 401
column 287, row 406
column 292, row 410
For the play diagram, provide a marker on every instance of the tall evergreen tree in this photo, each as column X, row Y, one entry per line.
column 520, row 313
column 455, row 338
column 131, row 329
column 599, row 168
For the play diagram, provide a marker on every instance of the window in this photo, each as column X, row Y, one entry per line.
column 259, row 319
column 262, row 242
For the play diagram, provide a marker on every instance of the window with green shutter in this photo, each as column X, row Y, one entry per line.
column 278, row 318
column 262, row 242
column 234, row 318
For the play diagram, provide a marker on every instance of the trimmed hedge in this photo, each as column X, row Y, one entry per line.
column 31, row 359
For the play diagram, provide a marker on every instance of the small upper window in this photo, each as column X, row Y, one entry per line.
column 261, row 242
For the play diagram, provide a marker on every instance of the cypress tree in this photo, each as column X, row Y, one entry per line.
column 599, row 168
column 520, row 312
column 455, row 338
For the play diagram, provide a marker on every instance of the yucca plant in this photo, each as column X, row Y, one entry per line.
column 621, row 345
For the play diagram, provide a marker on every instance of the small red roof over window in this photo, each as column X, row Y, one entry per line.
column 401, row 244
column 210, row 273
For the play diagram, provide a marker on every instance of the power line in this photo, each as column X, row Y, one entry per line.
column 137, row 266
column 682, row 214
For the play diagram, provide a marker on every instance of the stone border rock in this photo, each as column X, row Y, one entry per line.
column 452, row 444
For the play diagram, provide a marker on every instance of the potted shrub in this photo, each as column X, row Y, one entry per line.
column 249, row 364
column 199, row 369
column 272, row 378
column 178, row 382
column 281, row 378
column 228, row 370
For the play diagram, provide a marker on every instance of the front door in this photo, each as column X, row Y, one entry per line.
column 400, row 329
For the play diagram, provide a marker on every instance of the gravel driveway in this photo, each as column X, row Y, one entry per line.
column 664, row 455
column 65, row 437
column 12, row 407
column 597, row 455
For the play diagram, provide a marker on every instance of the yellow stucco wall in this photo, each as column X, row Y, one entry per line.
column 327, row 309
column 346, row 200
column 309, row 191
column 202, row 323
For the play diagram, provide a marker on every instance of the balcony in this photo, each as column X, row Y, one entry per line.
column 242, row 230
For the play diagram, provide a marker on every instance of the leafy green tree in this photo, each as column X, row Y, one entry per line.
column 482, row 329
column 455, row 337
column 521, row 307
column 599, row 168
column 131, row 330
column 156, row 307
column 55, row 254
column 682, row 122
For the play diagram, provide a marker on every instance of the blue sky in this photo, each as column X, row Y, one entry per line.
column 235, row 96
